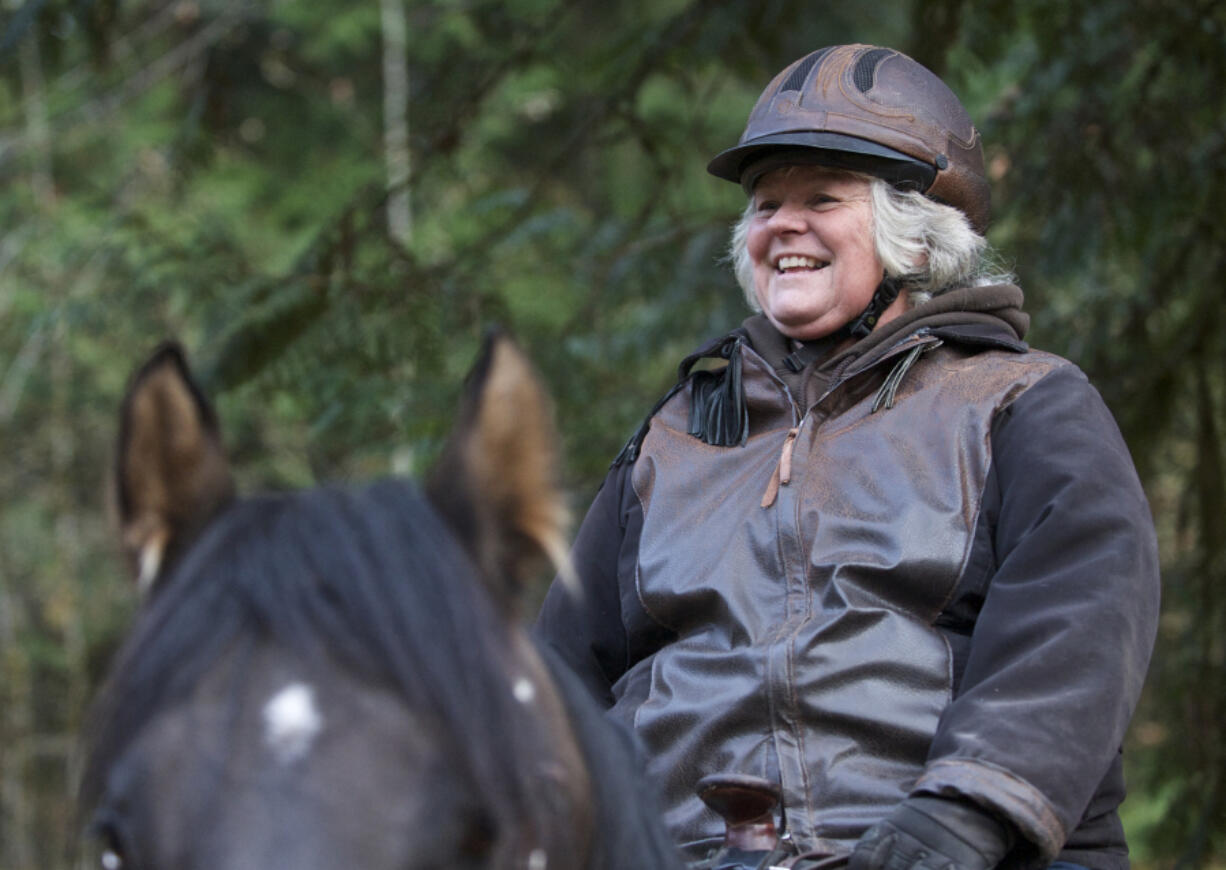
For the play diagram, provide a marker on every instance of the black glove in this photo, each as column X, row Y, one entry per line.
column 932, row 833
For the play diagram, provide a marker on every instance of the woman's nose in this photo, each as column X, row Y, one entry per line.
column 788, row 217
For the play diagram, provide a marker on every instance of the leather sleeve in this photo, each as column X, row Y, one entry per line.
column 604, row 629
column 1062, row 641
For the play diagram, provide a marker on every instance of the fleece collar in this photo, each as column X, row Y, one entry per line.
column 989, row 316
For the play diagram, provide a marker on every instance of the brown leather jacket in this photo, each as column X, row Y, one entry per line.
column 955, row 593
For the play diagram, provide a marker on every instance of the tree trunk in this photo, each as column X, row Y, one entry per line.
column 396, row 119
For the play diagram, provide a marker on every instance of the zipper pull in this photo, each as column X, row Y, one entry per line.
column 782, row 475
column 885, row 395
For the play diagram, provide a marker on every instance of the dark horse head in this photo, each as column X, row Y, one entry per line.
column 334, row 678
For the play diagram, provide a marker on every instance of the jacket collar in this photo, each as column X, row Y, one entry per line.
column 974, row 317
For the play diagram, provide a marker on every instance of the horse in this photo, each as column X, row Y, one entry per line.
column 337, row 677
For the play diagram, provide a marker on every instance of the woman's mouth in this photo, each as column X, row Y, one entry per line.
column 796, row 263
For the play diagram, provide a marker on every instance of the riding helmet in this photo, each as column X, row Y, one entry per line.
column 869, row 109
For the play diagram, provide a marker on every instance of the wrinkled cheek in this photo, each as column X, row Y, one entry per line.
column 762, row 287
column 756, row 249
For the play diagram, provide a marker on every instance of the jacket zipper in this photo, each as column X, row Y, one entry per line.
column 782, row 475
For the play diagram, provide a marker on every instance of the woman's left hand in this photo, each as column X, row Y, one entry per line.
column 932, row 833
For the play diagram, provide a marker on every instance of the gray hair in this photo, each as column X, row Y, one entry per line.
column 908, row 229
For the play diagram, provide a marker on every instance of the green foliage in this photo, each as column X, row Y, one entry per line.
column 1115, row 224
column 213, row 170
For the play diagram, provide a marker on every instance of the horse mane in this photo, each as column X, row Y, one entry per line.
column 369, row 577
column 628, row 815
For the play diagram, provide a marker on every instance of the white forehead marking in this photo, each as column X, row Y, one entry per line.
column 524, row 691
column 537, row 860
column 291, row 722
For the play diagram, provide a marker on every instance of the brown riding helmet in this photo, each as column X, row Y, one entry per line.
column 869, row 109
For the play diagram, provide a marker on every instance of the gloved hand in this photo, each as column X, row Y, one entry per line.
column 932, row 833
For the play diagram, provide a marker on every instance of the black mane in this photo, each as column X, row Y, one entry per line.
column 369, row 577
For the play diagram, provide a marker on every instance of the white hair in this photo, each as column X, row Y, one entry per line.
column 926, row 246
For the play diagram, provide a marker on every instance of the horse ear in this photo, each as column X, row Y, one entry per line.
column 496, row 480
column 171, row 475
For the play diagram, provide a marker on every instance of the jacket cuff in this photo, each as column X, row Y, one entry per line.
column 1004, row 793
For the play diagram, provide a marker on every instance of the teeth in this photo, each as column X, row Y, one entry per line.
column 796, row 263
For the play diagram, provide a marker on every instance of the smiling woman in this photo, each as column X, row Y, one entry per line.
column 809, row 240
column 925, row 247
column 888, row 569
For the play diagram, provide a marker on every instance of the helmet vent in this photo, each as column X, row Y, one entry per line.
column 865, row 73
column 796, row 80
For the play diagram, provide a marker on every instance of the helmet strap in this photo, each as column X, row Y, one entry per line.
column 883, row 297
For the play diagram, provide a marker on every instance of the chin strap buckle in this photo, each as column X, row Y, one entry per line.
column 883, row 297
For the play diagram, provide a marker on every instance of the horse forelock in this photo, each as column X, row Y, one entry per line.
column 368, row 578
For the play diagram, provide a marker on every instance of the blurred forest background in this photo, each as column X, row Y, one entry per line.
column 328, row 200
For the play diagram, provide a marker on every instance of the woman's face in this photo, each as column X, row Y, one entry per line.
column 811, row 245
